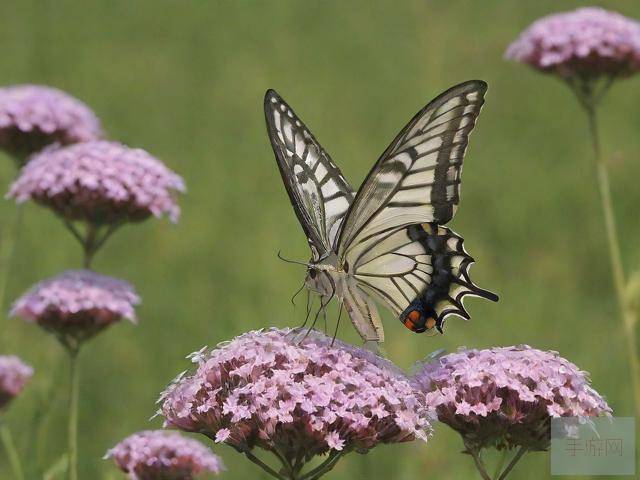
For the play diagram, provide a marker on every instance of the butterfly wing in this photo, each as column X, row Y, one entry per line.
column 318, row 191
column 392, row 239
column 362, row 311
column 420, row 272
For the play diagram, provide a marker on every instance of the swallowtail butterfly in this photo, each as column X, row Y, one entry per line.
column 387, row 241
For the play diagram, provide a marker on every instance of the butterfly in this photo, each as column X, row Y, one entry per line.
column 386, row 242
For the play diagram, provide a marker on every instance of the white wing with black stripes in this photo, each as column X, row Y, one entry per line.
column 319, row 193
column 417, row 178
column 389, row 242
column 391, row 239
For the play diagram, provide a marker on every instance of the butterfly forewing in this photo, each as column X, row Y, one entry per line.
column 318, row 191
column 417, row 178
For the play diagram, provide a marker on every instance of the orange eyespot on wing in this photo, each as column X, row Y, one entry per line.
column 414, row 321
column 431, row 322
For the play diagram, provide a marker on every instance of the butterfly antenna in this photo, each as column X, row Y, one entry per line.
column 335, row 332
column 287, row 260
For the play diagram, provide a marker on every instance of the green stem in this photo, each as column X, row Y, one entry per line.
column 324, row 467
column 479, row 463
column 619, row 282
column 12, row 454
column 512, row 463
column 89, row 246
column 263, row 465
column 72, row 431
column 7, row 247
column 500, row 463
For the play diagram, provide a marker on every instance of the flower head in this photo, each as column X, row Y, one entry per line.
column 14, row 374
column 152, row 455
column 505, row 396
column 268, row 389
column 77, row 304
column 587, row 42
column 99, row 182
column 33, row 116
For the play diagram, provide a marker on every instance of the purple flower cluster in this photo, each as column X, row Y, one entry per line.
column 505, row 396
column 77, row 304
column 267, row 389
column 99, row 182
column 14, row 374
column 587, row 42
column 153, row 455
column 33, row 116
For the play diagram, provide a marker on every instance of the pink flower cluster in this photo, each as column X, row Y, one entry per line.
column 152, row 455
column 505, row 396
column 77, row 304
column 33, row 116
column 99, row 182
column 14, row 374
column 267, row 389
column 587, row 42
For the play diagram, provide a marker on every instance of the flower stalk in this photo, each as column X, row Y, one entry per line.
column 8, row 236
column 72, row 431
column 499, row 474
column 627, row 313
column 12, row 454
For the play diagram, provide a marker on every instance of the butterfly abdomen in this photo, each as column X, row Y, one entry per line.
column 450, row 281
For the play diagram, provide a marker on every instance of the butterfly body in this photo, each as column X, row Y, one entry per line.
column 388, row 241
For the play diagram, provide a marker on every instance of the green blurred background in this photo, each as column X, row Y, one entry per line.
column 185, row 80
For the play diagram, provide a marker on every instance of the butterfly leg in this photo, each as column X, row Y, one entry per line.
column 293, row 299
column 335, row 332
column 323, row 307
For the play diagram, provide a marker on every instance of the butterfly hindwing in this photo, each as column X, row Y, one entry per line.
column 318, row 191
column 420, row 272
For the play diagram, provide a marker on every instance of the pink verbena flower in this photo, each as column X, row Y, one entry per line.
column 14, row 374
column 77, row 304
column 33, row 116
column 267, row 389
column 99, row 182
column 153, row 455
column 505, row 396
column 587, row 42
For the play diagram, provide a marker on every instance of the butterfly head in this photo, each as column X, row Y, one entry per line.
column 318, row 281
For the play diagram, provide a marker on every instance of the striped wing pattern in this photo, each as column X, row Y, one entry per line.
column 416, row 180
column 393, row 267
column 318, row 191
column 392, row 238
column 421, row 273
column 389, row 241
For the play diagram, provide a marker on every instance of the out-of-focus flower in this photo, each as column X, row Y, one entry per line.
column 99, row 182
column 33, row 116
column 153, row 455
column 77, row 304
column 587, row 42
column 267, row 389
column 14, row 374
column 506, row 396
